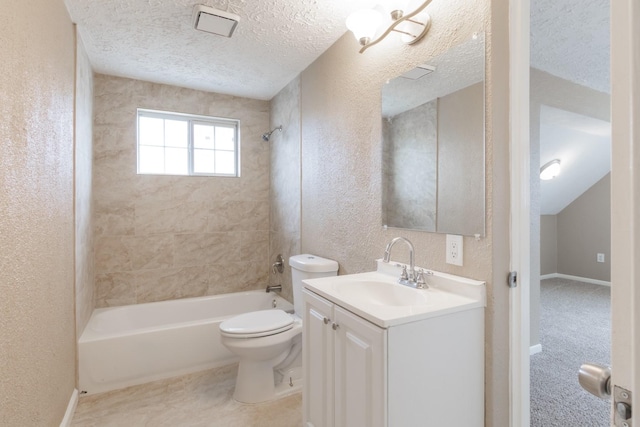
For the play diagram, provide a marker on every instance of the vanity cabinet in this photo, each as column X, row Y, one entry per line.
column 425, row 373
column 344, row 360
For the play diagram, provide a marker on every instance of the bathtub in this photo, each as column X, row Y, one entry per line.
column 134, row 344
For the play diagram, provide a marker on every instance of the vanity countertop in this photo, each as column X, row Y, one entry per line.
column 378, row 297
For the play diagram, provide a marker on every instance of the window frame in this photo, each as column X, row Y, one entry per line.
column 191, row 119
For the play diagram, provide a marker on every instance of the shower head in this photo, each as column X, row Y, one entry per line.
column 267, row 135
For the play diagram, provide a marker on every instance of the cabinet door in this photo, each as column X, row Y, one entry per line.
column 317, row 360
column 360, row 372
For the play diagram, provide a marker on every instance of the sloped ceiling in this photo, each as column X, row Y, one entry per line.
column 583, row 144
column 570, row 39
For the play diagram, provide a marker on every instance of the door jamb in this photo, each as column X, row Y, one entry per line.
column 519, row 158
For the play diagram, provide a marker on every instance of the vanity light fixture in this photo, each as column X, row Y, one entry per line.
column 550, row 170
column 365, row 23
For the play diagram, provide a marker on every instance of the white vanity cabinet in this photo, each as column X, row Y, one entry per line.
column 344, row 358
column 426, row 372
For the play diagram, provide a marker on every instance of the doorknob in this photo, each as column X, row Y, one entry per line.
column 596, row 379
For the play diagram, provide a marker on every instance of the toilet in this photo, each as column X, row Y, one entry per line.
column 269, row 342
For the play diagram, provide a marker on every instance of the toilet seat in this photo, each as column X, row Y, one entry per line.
column 257, row 324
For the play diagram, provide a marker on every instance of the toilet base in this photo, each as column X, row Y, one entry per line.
column 264, row 388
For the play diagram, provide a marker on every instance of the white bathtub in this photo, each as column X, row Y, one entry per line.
column 134, row 344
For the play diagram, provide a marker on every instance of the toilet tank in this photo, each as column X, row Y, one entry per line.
column 308, row 266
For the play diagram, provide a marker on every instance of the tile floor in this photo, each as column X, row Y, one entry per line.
column 203, row 399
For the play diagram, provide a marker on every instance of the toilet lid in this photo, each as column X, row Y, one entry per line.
column 257, row 323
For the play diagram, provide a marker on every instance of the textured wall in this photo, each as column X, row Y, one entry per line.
column 584, row 229
column 548, row 244
column 565, row 95
column 83, row 188
column 341, row 157
column 37, row 330
column 341, row 154
column 410, row 168
column 461, row 162
column 430, row 160
column 164, row 237
column 285, row 182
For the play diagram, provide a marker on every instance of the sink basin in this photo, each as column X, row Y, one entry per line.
column 378, row 297
column 382, row 293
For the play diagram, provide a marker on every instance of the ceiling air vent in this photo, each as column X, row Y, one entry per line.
column 419, row 71
column 214, row 21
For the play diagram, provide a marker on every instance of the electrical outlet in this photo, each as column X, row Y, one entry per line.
column 600, row 257
column 454, row 249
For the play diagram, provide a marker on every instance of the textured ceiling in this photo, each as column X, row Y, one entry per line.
column 570, row 39
column 154, row 40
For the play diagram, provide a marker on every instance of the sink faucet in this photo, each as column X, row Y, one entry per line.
column 406, row 278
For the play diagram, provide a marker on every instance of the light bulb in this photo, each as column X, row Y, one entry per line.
column 364, row 24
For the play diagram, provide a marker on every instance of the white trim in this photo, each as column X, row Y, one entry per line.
column 71, row 409
column 576, row 278
column 520, row 207
column 625, row 197
column 535, row 349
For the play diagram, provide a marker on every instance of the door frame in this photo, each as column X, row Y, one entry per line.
column 625, row 197
column 625, row 202
column 520, row 201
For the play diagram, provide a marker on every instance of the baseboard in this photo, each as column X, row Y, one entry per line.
column 71, row 409
column 535, row 349
column 576, row 278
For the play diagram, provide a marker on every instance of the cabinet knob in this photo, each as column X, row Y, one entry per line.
column 335, row 326
column 326, row 320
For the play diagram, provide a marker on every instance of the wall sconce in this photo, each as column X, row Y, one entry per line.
column 550, row 170
column 365, row 23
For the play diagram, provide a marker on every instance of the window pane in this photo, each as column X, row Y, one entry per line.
column 181, row 144
column 151, row 160
column 203, row 161
column 225, row 162
column 151, row 131
column 176, row 133
column 176, row 161
column 203, row 136
column 225, row 138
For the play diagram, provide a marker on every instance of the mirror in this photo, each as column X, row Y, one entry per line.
column 433, row 144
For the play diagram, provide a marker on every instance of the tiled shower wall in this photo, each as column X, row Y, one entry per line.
column 165, row 237
column 85, row 288
column 285, row 181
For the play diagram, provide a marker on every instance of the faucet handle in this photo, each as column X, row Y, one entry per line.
column 421, row 283
column 404, row 275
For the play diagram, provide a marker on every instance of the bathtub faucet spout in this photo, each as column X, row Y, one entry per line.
column 271, row 288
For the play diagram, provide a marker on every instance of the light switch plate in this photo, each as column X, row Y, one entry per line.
column 454, row 249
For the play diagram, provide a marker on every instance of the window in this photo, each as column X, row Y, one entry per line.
column 182, row 144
